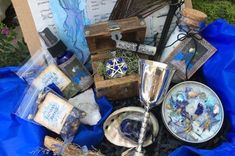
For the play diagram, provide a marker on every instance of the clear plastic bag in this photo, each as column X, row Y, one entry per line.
column 43, row 102
column 47, row 108
column 41, row 71
column 35, row 65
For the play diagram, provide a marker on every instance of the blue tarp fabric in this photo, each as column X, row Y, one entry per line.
column 19, row 138
column 219, row 74
column 22, row 138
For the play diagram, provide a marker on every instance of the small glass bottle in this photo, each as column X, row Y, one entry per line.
column 67, row 61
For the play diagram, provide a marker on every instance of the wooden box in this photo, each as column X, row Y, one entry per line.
column 99, row 42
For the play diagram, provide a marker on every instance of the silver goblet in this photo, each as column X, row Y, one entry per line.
column 155, row 78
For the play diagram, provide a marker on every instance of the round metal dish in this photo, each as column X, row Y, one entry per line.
column 112, row 125
column 192, row 112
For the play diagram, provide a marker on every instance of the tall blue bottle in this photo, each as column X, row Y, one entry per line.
column 67, row 61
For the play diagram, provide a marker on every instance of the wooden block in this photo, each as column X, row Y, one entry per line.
column 27, row 25
column 119, row 88
column 188, row 4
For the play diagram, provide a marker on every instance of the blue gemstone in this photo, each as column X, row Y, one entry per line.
column 109, row 72
column 120, row 60
column 199, row 109
column 131, row 129
column 110, row 62
column 124, row 68
column 116, row 67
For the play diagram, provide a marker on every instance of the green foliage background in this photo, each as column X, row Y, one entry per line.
column 217, row 9
column 13, row 50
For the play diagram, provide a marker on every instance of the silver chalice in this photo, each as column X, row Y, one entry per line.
column 155, row 78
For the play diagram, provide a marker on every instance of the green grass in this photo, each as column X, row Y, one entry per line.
column 217, row 9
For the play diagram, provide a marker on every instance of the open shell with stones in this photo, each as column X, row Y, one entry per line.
column 113, row 123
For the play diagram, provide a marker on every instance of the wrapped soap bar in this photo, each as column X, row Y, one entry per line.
column 52, row 74
column 58, row 115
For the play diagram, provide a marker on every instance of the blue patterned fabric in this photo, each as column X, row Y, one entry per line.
column 219, row 74
column 19, row 137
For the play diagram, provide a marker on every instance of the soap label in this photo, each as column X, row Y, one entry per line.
column 52, row 74
column 53, row 112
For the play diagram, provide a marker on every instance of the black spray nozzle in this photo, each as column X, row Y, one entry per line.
column 55, row 46
column 48, row 37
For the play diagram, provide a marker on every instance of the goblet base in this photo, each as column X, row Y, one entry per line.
column 133, row 152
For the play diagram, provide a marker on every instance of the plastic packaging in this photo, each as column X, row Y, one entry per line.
column 49, row 109
column 42, row 71
column 35, row 65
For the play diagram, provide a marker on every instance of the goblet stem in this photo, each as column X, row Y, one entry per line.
column 143, row 131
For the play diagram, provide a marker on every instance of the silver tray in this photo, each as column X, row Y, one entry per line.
column 192, row 112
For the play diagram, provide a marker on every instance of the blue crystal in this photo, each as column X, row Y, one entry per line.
column 109, row 72
column 181, row 104
column 124, row 68
column 110, row 62
column 120, row 60
column 116, row 67
column 199, row 109
column 131, row 129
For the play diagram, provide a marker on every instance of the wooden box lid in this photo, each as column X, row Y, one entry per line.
column 99, row 35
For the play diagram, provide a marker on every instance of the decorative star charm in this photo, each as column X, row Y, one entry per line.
column 116, row 67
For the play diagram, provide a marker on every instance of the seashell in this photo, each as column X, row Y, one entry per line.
column 130, row 128
column 216, row 109
column 192, row 94
column 114, row 133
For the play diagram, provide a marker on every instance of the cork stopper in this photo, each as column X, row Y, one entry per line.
column 194, row 14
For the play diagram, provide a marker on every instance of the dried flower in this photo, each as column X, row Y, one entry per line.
column 5, row 31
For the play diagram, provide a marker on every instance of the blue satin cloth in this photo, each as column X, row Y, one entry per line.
column 219, row 74
column 22, row 138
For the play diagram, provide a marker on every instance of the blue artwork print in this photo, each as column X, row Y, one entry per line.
column 70, row 20
column 184, row 58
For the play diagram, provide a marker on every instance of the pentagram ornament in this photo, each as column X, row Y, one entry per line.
column 116, row 67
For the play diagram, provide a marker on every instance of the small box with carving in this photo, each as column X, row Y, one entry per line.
column 100, row 42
